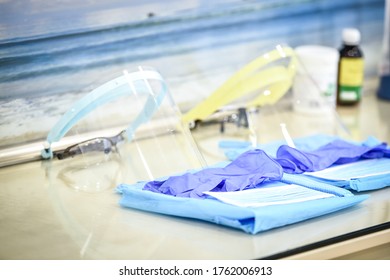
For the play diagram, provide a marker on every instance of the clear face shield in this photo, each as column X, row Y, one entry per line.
column 126, row 130
column 129, row 129
column 274, row 97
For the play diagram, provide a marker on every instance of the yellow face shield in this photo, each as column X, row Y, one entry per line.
column 261, row 82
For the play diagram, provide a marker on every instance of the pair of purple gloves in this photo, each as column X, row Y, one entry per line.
column 255, row 167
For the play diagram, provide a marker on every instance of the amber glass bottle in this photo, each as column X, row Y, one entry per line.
column 350, row 69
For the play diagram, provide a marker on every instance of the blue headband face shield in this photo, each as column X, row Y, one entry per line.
column 126, row 130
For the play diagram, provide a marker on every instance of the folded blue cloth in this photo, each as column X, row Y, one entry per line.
column 248, row 219
column 364, row 175
column 247, row 171
column 253, row 169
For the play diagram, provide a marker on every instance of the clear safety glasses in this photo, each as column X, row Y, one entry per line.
column 99, row 144
column 236, row 116
column 127, row 84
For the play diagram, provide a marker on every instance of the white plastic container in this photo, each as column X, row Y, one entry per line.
column 314, row 87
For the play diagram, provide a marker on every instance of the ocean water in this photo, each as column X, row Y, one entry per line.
column 195, row 47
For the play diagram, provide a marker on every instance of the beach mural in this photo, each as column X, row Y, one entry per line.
column 54, row 52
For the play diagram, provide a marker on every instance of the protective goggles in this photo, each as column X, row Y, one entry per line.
column 129, row 83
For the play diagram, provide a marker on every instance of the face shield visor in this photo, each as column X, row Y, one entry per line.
column 274, row 97
column 126, row 130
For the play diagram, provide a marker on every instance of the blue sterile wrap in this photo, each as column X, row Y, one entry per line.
column 354, row 177
column 255, row 169
column 174, row 200
column 248, row 219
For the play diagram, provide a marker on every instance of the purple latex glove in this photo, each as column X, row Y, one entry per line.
column 336, row 152
column 247, row 171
